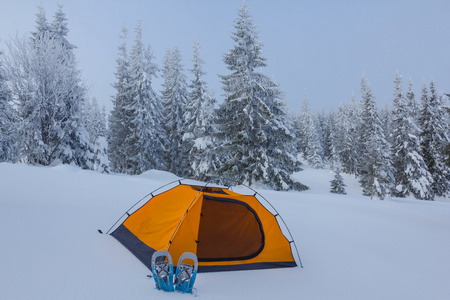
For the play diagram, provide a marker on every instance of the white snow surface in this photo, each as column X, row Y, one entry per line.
column 352, row 247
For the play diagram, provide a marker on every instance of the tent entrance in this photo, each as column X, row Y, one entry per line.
column 229, row 230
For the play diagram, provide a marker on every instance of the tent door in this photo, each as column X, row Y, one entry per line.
column 229, row 230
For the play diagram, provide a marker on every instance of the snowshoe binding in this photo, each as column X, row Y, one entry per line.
column 186, row 274
column 163, row 270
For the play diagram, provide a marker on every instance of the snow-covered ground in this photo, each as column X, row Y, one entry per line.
column 352, row 247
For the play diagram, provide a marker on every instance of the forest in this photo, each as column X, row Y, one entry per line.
column 248, row 136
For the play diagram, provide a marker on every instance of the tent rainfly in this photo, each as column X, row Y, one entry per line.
column 226, row 230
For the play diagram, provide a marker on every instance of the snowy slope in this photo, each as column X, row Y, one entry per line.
column 352, row 247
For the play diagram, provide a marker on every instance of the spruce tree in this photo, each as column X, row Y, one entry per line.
column 337, row 184
column 174, row 98
column 42, row 25
column 322, row 130
column 118, row 130
column 251, row 113
column 314, row 146
column 375, row 167
column 47, row 85
column 346, row 130
column 304, row 123
column 281, row 142
column 59, row 29
column 446, row 147
column 155, row 138
column 309, row 136
column 410, row 172
column 433, row 139
column 81, row 150
column 143, row 143
column 330, row 128
column 199, row 125
column 7, row 145
column 96, row 127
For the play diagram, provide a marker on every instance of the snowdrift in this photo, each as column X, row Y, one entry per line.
column 352, row 247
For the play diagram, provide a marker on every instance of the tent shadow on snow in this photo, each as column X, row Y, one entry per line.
column 226, row 230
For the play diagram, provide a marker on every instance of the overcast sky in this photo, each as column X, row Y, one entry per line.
column 321, row 47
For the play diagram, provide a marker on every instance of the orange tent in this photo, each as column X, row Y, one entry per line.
column 226, row 230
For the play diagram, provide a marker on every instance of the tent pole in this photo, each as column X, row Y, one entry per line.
column 285, row 225
column 184, row 215
column 151, row 193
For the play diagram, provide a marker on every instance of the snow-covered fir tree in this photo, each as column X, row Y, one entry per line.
column 199, row 125
column 281, row 145
column 79, row 150
column 243, row 115
column 245, row 118
column 322, row 129
column 144, row 142
column 118, row 130
column 375, row 166
column 410, row 172
column 155, row 135
column 309, row 137
column 446, row 148
column 7, row 145
column 411, row 99
column 48, row 95
column 315, row 155
column 304, row 120
column 330, row 128
column 433, row 138
column 337, row 184
column 386, row 122
column 42, row 25
column 346, row 130
column 174, row 98
column 59, row 29
column 96, row 127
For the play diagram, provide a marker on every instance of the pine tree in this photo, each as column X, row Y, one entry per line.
column 59, row 29
column 244, row 114
column 253, row 111
column 47, row 85
column 433, row 139
column 385, row 114
column 315, row 150
column 42, row 26
column 411, row 99
column 155, row 135
column 143, row 144
column 337, row 184
column 199, row 125
column 330, row 128
column 281, row 145
column 322, row 130
column 7, row 145
column 118, row 130
column 346, row 130
column 410, row 172
column 96, row 127
column 446, row 147
column 78, row 149
column 304, row 123
column 375, row 167
column 310, row 141
column 174, row 98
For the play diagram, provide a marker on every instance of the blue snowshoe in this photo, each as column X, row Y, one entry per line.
column 186, row 274
column 163, row 270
